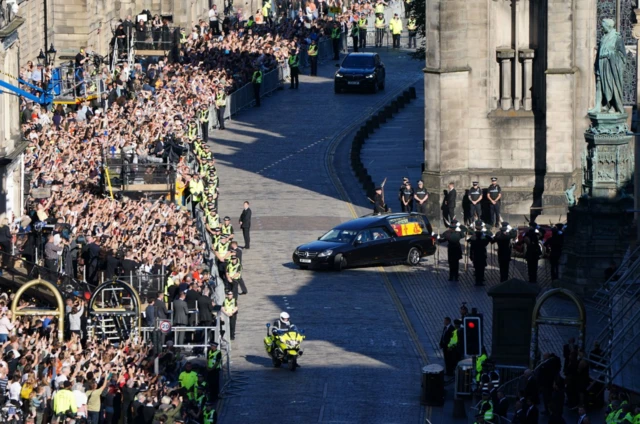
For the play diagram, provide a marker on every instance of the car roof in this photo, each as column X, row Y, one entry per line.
column 370, row 221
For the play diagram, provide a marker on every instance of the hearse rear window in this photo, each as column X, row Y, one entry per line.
column 407, row 225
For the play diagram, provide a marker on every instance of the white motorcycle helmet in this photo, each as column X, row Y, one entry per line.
column 284, row 318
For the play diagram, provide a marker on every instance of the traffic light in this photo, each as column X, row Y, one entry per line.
column 472, row 336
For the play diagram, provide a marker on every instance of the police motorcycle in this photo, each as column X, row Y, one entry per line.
column 284, row 346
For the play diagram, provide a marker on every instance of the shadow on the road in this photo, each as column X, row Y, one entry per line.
column 264, row 361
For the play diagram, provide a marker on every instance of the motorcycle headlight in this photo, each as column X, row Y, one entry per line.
column 371, row 75
column 339, row 75
column 327, row 252
column 292, row 343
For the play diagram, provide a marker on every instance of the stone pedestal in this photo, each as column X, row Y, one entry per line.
column 600, row 226
column 608, row 163
column 513, row 303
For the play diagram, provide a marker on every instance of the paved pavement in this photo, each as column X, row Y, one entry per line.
column 360, row 362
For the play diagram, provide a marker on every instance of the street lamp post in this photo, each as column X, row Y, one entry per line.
column 45, row 60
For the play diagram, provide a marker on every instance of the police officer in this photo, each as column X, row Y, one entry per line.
column 336, row 33
column 355, row 33
column 214, row 364
column 412, row 27
column 204, row 122
column 256, row 80
column 227, row 228
column 478, row 246
column 454, row 251
column 312, row 51
column 475, row 196
column 380, row 24
column 406, row 200
column 555, row 244
column 234, row 275
column 230, row 309
column 362, row 27
column 294, row 67
column 532, row 254
column 420, row 196
column 379, row 206
column 196, row 189
column 221, row 105
column 495, row 194
column 396, row 30
column 209, row 414
column 503, row 239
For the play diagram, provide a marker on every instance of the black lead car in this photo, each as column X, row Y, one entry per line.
column 376, row 239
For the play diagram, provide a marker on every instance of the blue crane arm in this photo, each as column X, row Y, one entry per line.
column 23, row 82
column 22, row 93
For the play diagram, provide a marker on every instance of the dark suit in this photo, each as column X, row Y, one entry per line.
column 91, row 255
column 532, row 416
column 180, row 317
column 501, row 407
column 449, row 357
column 245, row 218
column 454, row 252
column 503, row 240
column 478, row 245
column 451, row 204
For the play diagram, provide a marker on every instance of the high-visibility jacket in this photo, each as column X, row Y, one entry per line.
column 223, row 248
column 488, row 413
column 335, row 33
column 188, row 379
column 64, row 400
column 214, row 242
column 636, row 419
column 313, row 50
column 204, row 115
column 454, row 339
column 257, row 77
column 411, row 25
column 227, row 229
column 208, row 416
column 379, row 8
column 196, row 188
column 214, row 359
column 221, row 99
column 166, row 289
column 229, row 303
column 266, row 8
column 479, row 361
column 192, row 131
column 233, row 269
column 183, row 37
column 294, row 61
column 395, row 26
column 362, row 23
column 380, row 23
column 249, row 23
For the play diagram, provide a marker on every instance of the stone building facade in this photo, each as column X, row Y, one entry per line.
column 508, row 85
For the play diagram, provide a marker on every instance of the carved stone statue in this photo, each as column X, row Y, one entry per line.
column 571, row 198
column 609, row 70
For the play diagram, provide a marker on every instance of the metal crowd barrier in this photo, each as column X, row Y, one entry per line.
column 509, row 378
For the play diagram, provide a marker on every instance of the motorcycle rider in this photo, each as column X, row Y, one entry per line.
column 281, row 324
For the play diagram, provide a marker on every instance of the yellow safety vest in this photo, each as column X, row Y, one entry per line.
column 362, row 23
column 411, row 25
column 454, row 339
column 227, row 229
column 207, row 416
column 229, row 304
column 188, row 379
column 232, row 269
column 293, row 61
column 335, row 33
column 313, row 50
column 213, row 360
column 223, row 248
column 380, row 23
column 193, row 130
column 266, row 8
column 396, row 26
column 196, row 188
column 257, row 77
column 221, row 99
column 204, row 116
column 63, row 401
column 213, row 220
column 379, row 8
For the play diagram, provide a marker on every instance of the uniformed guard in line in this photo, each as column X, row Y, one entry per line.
column 495, row 194
column 214, row 365
column 204, row 122
column 230, row 309
column 336, row 34
column 532, row 255
column 475, row 196
column 478, row 243
column 294, row 68
column 555, row 244
column 379, row 206
column 256, row 80
column 504, row 239
column 209, row 414
column 452, row 236
column 395, row 26
column 421, row 195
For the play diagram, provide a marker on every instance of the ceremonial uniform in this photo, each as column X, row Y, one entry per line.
column 406, row 199
column 555, row 243
column 454, row 250
column 504, row 239
column 478, row 245
column 378, row 202
column 533, row 253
